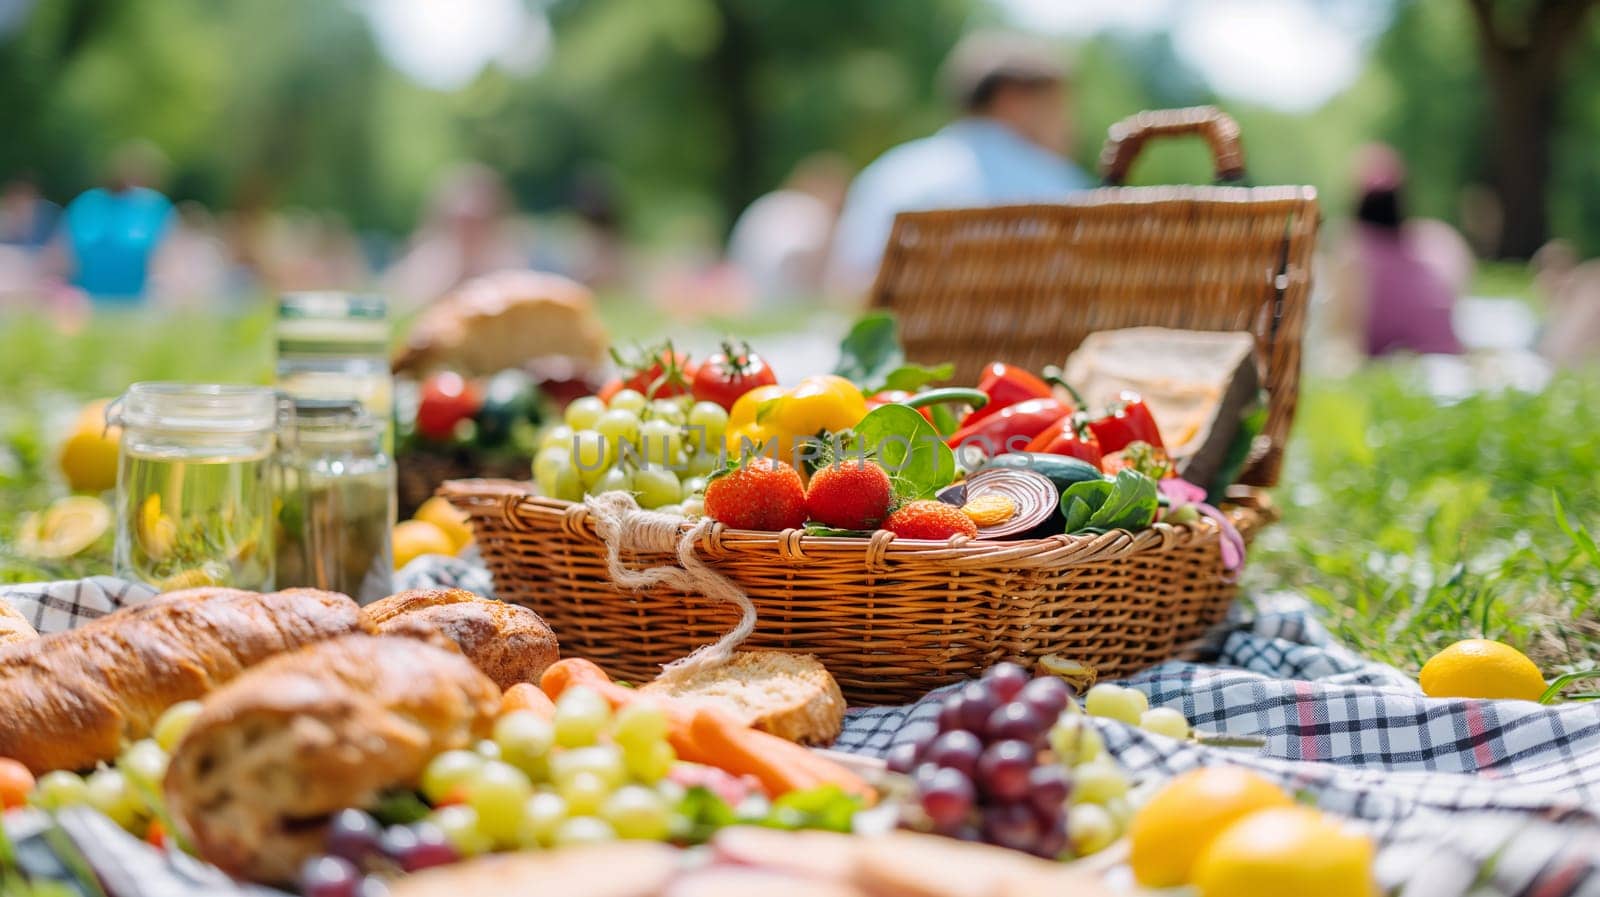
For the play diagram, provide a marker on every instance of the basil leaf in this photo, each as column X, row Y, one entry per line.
column 912, row 377
column 1077, row 514
column 1130, row 506
column 909, row 448
column 1082, row 500
column 870, row 350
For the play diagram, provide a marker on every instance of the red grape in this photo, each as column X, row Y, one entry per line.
column 957, row 750
column 947, row 798
column 397, row 841
column 1048, row 788
column 977, row 702
column 903, row 756
column 1006, row 680
column 354, row 836
column 430, row 849
column 951, row 713
column 373, row 886
column 328, row 876
column 1003, row 769
column 1011, row 825
column 1016, row 720
column 1052, row 842
column 1048, row 695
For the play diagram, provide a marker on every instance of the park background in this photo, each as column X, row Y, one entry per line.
column 1416, row 514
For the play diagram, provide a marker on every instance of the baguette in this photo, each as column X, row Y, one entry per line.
column 14, row 627
column 792, row 696
column 276, row 752
column 73, row 699
column 508, row 642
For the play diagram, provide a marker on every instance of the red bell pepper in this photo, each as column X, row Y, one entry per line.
column 1006, row 385
column 1128, row 421
column 1068, row 436
column 1010, row 429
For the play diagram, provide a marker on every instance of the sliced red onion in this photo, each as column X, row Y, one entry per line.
column 1036, row 498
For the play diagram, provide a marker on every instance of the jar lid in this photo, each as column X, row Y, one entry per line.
column 196, row 408
column 329, row 305
column 323, row 419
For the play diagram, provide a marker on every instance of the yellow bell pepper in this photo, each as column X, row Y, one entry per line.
column 746, row 406
column 824, row 402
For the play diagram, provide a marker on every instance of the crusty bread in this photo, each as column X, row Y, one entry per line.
column 508, row 642
column 620, row 869
column 72, row 699
column 275, row 752
column 504, row 320
column 14, row 627
column 792, row 696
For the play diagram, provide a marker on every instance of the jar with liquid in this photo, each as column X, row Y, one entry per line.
column 336, row 346
column 336, row 499
column 195, row 485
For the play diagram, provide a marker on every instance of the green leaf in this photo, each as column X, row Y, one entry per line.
column 912, row 377
column 817, row 529
column 870, row 350
column 909, row 448
column 1578, row 534
column 401, row 807
column 1131, row 505
column 1081, row 500
column 1557, row 684
column 944, row 419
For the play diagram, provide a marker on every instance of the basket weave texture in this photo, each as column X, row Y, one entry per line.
column 894, row 618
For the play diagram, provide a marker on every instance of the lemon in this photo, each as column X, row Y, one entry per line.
column 441, row 513
column 415, row 538
column 1170, row 832
column 66, row 528
column 89, row 456
column 1480, row 668
column 1290, row 850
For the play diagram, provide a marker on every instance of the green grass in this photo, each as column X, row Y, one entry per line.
column 1412, row 524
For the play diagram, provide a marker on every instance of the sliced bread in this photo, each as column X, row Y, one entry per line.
column 789, row 695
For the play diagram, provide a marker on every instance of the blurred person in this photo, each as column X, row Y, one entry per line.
column 1398, row 279
column 191, row 270
column 1008, row 147
column 1571, row 290
column 468, row 232
column 27, row 219
column 780, row 243
column 111, row 233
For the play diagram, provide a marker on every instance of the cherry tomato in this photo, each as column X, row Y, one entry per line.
column 657, row 373
column 447, row 400
column 15, row 783
column 729, row 374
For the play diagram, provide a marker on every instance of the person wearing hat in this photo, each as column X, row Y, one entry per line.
column 1007, row 147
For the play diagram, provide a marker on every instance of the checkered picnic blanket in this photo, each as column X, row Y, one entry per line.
column 1467, row 798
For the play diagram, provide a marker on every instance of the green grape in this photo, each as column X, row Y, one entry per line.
column 1075, row 740
column 580, row 716
column 639, row 724
column 542, row 814
column 583, row 830
column 619, row 427
column 525, row 739
column 656, row 487
column 175, row 723
column 1115, row 702
column 487, row 749
column 694, row 486
column 549, row 465
column 584, row 792
column 568, row 485
column 497, row 793
column 629, row 400
column 615, row 480
column 60, row 788
column 110, row 793
column 603, row 760
column 592, row 455
column 1165, row 721
column 448, row 773
column 460, row 826
column 694, row 507
column 711, row 418
column 1121, row 810
column 1091, row 828
column 144, row 764
column 703, row 462
column 1098, row 782
column 639, row 813
column 558, row 436
column 669, row 410
column 660, row 441
column 649, row 763
column 584, row 413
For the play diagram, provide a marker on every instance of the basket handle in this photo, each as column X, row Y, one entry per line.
column 1126, row 138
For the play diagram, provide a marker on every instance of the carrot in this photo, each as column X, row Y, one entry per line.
column 527, row 696
column 781, row 766
column 563, row 674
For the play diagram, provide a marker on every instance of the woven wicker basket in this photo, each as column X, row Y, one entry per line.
column 894, row 618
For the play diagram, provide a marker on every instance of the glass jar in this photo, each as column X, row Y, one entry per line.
column 195, row 485
column 336, row 501
column 336, row 346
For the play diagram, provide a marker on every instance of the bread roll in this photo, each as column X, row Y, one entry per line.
column 508, row 642
column 792, row 696
column 277, row 751
column 73, row 699
column 14, row 627
column 505, row 320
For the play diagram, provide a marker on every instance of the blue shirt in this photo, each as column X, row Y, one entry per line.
column 969, row 163
column 113, row 236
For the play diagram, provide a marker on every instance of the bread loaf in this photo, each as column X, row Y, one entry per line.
column 14, row 627
column 277, row 751
column 792, row 696
column 505, row 320
column 73, row 699
column 508, row 642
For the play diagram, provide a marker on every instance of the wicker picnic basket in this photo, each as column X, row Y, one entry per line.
column 894, row 618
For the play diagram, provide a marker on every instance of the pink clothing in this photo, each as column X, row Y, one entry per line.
column 1408, row 302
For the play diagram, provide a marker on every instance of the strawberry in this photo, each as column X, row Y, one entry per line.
column 849, row 494
column 761, row 493
column 930, row 520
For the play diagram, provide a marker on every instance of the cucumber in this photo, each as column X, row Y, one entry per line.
column 1060, row 469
